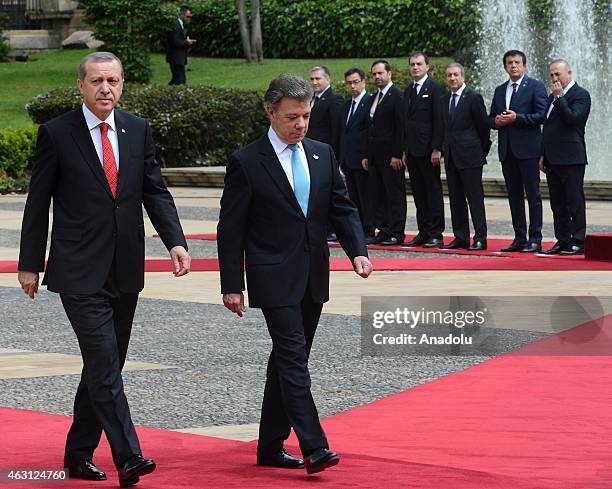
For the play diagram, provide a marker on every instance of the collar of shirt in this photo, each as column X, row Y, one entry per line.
column 359, row 97
column 92, row 120
column 386, row 89
column 459, row 92
column 181, row 22
column 278, row 145
column 518, row 83
column 284, row 154
column 569, row 85
column 419, row 84
column 320, row 94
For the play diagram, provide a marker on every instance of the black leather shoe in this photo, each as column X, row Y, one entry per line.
column 558, row 247
column 392, row 241
column 573, row 249
column 281, row 459
column 135, row 467
column 456, row 244
column 373, row 239
column 515, row 246
column 418, row 240
column 320, row 460
column 532, row 248
column 332, row 238
column 479, row 245
column 85, row 469
column 434, row 243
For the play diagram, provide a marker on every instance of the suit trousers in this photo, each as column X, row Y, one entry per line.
column 465, row 184
column 178, row 74
column 427, row 194
column 389, row 186
column 358, row 186
column 523, row 178
column 287, row 400
column 566, row 189
column 102, row 323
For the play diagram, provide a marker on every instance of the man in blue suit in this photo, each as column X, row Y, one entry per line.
column 517, row 111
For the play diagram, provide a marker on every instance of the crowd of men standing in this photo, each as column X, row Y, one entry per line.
column 378, row 136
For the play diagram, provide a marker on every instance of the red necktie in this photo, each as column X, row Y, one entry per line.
column 108, row 159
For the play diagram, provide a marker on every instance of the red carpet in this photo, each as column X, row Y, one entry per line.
column 513, row 422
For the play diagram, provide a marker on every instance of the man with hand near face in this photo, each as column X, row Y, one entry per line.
column 280, row 193
column 564, row 158
column 517, row 110
column 98, row 165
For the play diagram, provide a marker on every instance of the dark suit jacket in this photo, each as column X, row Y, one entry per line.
column 324, row 124
column 90, row 228
column 421, row 116
column 176, row 45
column 261, row 221
column 563, row 132
column 524, row 136
column 386, row 131
column 465, row 138
column 354, row 135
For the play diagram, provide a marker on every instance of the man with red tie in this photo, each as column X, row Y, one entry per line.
column 98, row 165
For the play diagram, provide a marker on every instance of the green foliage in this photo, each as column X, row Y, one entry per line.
column 127, row 28
column 192, row 125
column 16, row 148
column 336, row 28
column 4, row 47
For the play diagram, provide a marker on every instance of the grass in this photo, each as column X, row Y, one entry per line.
column 20, row 82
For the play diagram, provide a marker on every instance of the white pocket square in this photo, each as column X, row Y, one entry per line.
column 425, row 96
column 316, row 157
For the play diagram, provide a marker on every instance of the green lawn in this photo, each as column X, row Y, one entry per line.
column 19, row 82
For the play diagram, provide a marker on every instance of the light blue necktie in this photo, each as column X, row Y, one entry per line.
column 301, row 184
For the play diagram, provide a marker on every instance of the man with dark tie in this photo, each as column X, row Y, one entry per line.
column 421, row 112
column 177, row 42
column 353, row 146
column 517, row 111
column 384, row 156
column 98, row 165
column 564, row 158
column 280, row 193
column 464, row 139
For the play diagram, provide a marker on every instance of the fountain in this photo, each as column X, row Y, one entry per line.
column 576, row 34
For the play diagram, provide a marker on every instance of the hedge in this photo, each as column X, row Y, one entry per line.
column 192, row 125
column 16, row 148
column 337, row 28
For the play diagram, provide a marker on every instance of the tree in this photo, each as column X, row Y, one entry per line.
column 251, row 42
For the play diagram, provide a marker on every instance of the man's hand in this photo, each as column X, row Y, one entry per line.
column 181, row 261
column 190, row 41
column 235, row 303
column 362, row 266
column 29, row 282
column 541, row 164
column 364, row 164
column 397, row 163
column 436, row 155
column 557, row 89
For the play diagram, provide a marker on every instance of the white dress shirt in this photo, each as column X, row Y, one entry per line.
column 283, row 152
column 419, row 84
column 552, row 105
column 459, row 93
column 357, row 101
column 93, row 124
column 380, row 96
column 509, row 89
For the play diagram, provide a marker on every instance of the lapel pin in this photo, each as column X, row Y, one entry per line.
column 123, row 130
column 316, row 157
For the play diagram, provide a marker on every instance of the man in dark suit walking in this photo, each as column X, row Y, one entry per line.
column 353, row 146
column 384, row 162
column 98, row 165
column 421, row 112
column 464, row 139
column 564, row 158
column 177, row 42
column 517, row 110
column 280, row 193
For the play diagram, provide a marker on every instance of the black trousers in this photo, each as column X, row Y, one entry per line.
column 566, row 189
column 178, row 75
column 102, row 323
column 465, row 189
column 523, row 178
column 287, row 401
column 427, row 194
column 389, row 186
column 358, row 186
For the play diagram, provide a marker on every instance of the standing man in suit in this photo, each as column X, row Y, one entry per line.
column 353, row 146
column 564, row 158
column 517, row 110
column 465, row 144
column 384, row 155
column 421, row 112
column 177, row 43
column 280, row 193
column 98, row 165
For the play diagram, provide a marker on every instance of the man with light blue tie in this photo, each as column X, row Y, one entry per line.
column 280, row 193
